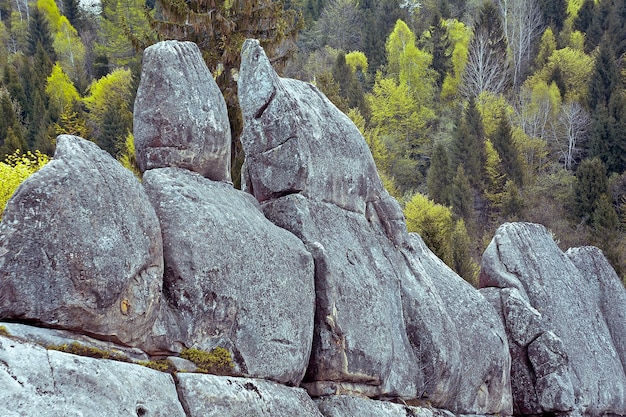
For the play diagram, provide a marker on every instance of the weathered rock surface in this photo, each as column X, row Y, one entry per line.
column 360, row 343
column 381, row 330
column 347, row 406
column 180, row 117
column 36, row 382
column 232, row 278
column 209, row 395
column 467, row 365
column 80, row 247
column 553, row 314
column 611, row 295
column 297, row 141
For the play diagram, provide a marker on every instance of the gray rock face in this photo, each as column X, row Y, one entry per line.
column 381, row 329
column 471, row 373
column 232, row 278
column 360, row 343
column 180, row 117
column 611, row 294
column 347, row 406
column 554, row 317
column 213, row 396
column 80, row 247
column 297, row 141
column 36, row 382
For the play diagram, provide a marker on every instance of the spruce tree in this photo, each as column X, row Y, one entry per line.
column 462, row 197
column 605, row 78
column 502, row 141
column 39, row 34
column 468, row 145
column 554, row 13
column 73, row 14
column 439, row 175
column 441, row 48
column 585, row 16
column 591, row 183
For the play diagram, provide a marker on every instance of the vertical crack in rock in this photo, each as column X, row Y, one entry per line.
column 181, row 395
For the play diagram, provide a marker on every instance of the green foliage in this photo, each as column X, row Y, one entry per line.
column 76, row 348
column 15, row 169
column 127, row 156
column 161, row 365
column 4, row 331
column 110, row 115
column 439, row 175
column 218, row 361
column 60, row 89
column 434, row 224
column 591, row 184
column 462, row 262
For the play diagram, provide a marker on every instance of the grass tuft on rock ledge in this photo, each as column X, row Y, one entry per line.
column 4, row 331
column 92, row 352
column 218, row 361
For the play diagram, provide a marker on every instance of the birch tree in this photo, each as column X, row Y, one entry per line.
column 574, row 123
column 487, row 68
column 522, row 24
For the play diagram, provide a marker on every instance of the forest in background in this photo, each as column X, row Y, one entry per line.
column 477, row 112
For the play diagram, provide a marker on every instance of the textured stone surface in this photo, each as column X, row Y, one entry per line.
column 380, row 329
column 49, row 337
column 209, row 395
column 232, row 278
column 80, row 247
column 525, row 257
column 471, row 374
column 180, row 117
column 550, row 365
column 347, row 406
column 611, row 292
column 360, row 343
column 297, row 141
column 36, row 382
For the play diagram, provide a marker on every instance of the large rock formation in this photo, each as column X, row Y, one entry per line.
column 381, row 328
column 80, row 247
column 232, row 278
column 565, row 355
column 180, row 117
column 332, row 289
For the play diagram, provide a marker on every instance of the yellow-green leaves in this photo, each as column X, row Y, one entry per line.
column 357, row 61
column 14, row 170
column 60, row 89
column 112, row 89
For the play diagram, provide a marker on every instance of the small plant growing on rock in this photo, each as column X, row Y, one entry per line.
column 82, row 350
column 218, row 361
column 4, row 331
column 163, row 365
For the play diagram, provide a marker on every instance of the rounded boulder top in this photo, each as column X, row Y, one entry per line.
column 180, row 116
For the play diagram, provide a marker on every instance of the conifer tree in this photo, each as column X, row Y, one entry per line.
column 462, row 262
column 439, row 176
column 39, row 34
column 468, row 145
column 441, row 48
column 554, row 13
column 502, row 141
column 462, row 197
column 73, row 13
column 591, row 183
